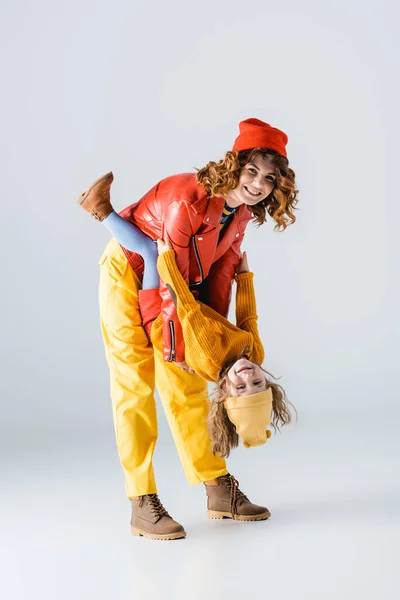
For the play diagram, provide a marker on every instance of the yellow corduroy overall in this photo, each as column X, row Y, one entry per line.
column 136, row 367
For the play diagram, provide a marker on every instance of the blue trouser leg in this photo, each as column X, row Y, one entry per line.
column 135, row 240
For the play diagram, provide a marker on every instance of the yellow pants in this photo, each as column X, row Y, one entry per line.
column 136, row 367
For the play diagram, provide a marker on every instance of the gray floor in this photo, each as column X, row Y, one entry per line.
column 334, row 530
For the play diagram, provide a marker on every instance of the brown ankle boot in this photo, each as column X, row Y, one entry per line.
column 150, row 519
column 226, row 500
column 96, row 199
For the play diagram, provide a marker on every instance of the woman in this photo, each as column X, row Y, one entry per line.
column 204, row 216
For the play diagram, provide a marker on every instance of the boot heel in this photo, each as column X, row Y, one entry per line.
column 217, row 514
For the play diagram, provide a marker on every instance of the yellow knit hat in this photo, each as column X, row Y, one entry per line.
column 251, row 416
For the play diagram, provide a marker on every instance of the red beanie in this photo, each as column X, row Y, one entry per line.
column 257, row 134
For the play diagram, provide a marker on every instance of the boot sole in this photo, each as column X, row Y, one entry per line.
column 158, row 536
column 85, row 194
column 216, row 514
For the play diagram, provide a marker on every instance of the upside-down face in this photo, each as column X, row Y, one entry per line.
column 245, row 378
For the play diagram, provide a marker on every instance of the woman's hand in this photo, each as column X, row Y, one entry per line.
column 164, row 246
column 243, row 266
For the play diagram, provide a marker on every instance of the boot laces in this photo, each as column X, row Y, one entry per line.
column 236, row 495
column 156, row 507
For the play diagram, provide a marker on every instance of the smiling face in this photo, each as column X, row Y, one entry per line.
column 256, row 182
column 245, row 378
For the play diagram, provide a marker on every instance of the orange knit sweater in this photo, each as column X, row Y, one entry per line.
column 210, row 339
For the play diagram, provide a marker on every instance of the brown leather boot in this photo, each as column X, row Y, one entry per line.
column 96, row 199
column 226, row 500
column 150, row 519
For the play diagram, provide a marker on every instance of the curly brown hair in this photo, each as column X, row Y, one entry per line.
column 222, row 431
column 221, row 177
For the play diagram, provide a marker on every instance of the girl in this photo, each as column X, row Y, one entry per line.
column 220, row 352
column 204, row 216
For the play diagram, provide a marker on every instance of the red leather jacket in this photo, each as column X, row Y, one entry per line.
column 178, row 208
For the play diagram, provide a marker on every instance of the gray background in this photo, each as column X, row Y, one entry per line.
column 152, row 89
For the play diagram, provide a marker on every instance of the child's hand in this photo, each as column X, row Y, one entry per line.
column 164, row 246
column 243, row 266
column 185, row 367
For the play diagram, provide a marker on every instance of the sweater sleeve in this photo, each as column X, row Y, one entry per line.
column 196, row 326
column 246, row 312
column 172, row 277
column 178, row 228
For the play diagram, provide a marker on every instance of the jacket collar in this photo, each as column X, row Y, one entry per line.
column 214, row 210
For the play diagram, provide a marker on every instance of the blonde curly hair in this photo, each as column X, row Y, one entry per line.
column 221, row 177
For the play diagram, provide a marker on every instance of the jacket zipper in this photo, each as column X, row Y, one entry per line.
column 196, row 253
column 172, row 333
